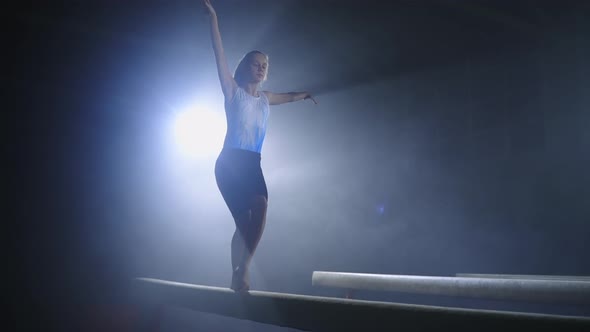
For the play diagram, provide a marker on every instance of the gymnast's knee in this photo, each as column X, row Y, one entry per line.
column 259, row 202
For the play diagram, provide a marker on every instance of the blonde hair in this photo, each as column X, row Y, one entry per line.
column 240, row 73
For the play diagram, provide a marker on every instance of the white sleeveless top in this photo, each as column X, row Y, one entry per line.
column 246, row 117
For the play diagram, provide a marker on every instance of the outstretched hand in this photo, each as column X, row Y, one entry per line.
column 209, row 8
column 308, row 96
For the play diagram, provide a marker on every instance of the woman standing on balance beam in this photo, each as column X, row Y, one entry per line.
column 237, row 170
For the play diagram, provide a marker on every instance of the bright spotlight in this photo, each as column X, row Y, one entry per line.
column 199, row 132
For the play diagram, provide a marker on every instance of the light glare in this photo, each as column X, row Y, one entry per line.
column 199, row 132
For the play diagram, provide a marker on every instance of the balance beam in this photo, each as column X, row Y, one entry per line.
column 313, row 313
column 523, row 276
column 553, row 291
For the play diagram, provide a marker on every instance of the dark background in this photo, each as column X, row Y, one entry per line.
column 450, row 137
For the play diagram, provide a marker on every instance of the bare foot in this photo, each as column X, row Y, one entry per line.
column 239, row 281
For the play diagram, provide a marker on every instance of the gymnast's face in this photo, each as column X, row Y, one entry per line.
column 258, row 68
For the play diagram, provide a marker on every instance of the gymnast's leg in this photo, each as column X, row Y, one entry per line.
column 249, row 228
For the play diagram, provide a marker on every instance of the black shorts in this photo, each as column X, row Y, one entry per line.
column 239, row 178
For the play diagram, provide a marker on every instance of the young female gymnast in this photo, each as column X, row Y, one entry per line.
column 237, row 169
